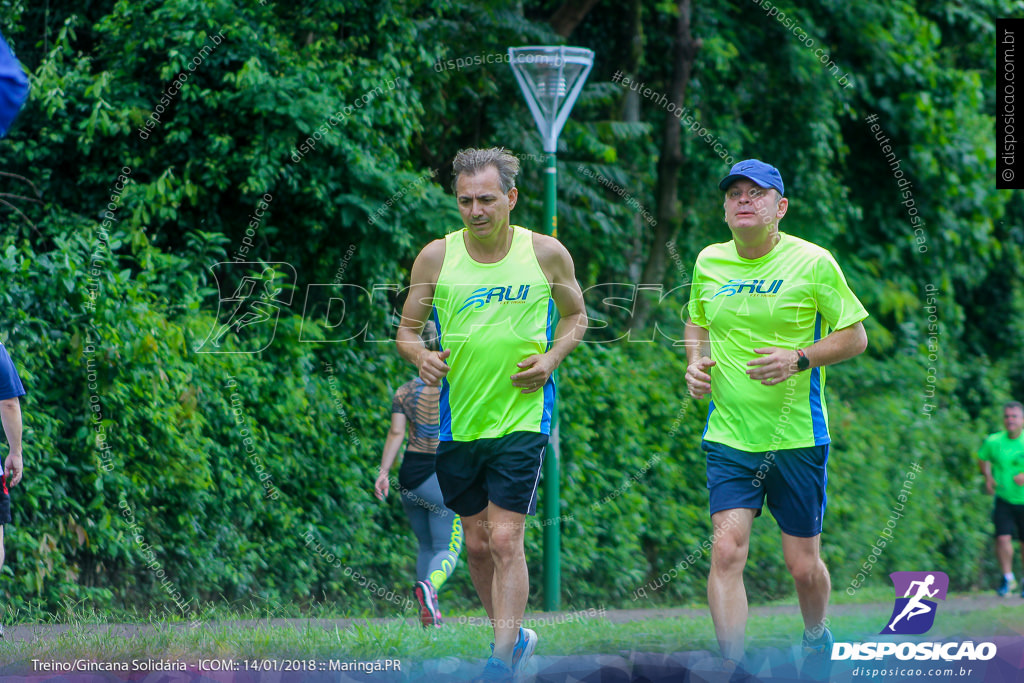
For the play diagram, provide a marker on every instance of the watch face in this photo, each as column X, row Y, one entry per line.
column 803, row 362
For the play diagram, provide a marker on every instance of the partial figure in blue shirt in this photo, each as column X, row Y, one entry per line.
column 13, row 87
column 13, row 93
column 10, row 416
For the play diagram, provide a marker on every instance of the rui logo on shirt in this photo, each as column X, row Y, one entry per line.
column 483, row 296
column 733, row 287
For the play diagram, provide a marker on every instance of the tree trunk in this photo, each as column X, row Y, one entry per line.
column 569, row 15
column 631, row 114
column 684, row 53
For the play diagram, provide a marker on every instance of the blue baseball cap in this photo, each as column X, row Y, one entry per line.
column 761, row 173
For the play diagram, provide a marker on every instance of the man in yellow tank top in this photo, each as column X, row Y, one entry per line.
column 492, row 289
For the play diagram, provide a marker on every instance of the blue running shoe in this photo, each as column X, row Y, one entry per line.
column 495, row 670
column 817, row 664
column 820, row 645
column 523, row 650
column 1006, row 587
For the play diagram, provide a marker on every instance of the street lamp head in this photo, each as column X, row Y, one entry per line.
column 551, row 78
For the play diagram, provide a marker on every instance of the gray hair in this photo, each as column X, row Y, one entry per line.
column 1013, row 404
column 471, row 161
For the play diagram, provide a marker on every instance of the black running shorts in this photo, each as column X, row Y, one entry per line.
column 504, row 471
column 1008, row 519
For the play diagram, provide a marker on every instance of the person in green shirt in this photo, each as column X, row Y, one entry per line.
column 1001, row 460
column 768, row 311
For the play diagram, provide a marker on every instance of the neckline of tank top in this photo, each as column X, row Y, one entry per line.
column 508, row 249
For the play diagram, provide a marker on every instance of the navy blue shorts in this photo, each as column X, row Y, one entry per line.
column 792, row 479
column 505, row 471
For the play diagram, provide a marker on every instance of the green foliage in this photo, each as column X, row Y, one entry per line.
column 249, row 476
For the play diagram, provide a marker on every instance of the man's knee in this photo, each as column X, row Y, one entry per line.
column 729, row 554
column 506, row 539
column 477, row 547
column 477, row 544
column 476, row 538
column 806, row 569
column 730, row 539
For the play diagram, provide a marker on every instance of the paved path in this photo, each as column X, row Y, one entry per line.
column 954, row 605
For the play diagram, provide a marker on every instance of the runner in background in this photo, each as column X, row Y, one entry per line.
column 1001, row 460
column 438, row 530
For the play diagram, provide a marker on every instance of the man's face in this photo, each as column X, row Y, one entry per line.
column 484, row 207
column 1013, row 420
column 748, row 205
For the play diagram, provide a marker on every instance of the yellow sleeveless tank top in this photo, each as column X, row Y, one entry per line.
column 492, row 316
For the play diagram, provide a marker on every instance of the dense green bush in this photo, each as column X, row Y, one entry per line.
column 161, row 475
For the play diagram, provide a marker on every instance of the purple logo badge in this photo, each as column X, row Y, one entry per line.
column 914, row 611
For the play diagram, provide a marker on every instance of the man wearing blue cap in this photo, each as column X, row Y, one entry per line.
column 768, row 311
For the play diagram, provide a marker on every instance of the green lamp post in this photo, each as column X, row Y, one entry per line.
column 551, row 78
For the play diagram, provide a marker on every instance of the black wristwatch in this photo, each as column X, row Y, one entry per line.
column 803, row 362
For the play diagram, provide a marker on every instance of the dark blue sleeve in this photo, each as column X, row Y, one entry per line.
column 10, row 383
column 13, row 87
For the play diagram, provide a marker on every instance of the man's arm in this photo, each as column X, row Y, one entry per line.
column 697, row 341
column 10, row 416
column 777, row 365
column 1018, row 478
column 558, row 267
column 425, row 271
column 838, row 346
column 985, row 467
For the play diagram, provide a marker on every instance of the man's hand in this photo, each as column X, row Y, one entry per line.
column 990, row 485
column 698, row 381
column 13, row 468
column 432, row 365
column 1018, row 479
column 538, row 369
column 776, row 365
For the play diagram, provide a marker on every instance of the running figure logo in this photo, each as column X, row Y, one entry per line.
column 259, row 290
column 914, row 614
